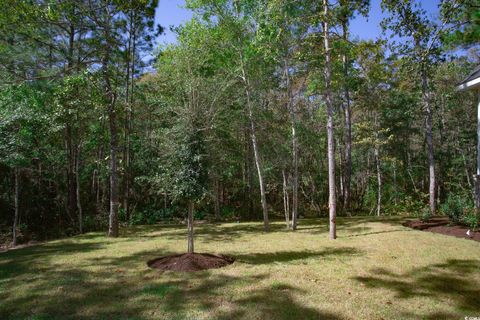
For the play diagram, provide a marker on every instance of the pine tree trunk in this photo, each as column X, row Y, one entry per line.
column 429, row 138
column 332, row 200
column 127, row 125
column 286, row 200
column 348, row 131
column 110, row 99
column 17, row 206
column 379, row 180
column 190, row 227
column 71, row 179
column 217, row 199
column 292, row 109
column 395, row 187
column 113, row 217
column 79, row 202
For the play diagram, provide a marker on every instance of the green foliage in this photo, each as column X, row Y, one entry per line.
column 228, row 213
column 152, row 215
column 464, row 18
column 199, row 215
column 471, row 219
column 455, row 207
column 425, row 214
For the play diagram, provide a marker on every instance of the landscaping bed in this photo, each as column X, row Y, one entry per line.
column 444, row 226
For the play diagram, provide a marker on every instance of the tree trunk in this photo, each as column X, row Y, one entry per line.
column 113, row 218
column 110, row 99
column 409, row 171
column 347, row 172
column 332, row 201
column 259, row 172
column 17, row 206
column 256, row 152
column 79, row 202
column 249, row 169
column 286, row 200
column 429, row 138
column 217, row 199
column 190, row 227
column 292, row 109
column 71, row 179
column 71, row 190
column 130, row 61
column 379, row 179
column 395, row 187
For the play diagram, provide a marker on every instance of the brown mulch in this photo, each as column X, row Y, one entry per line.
column 442, row 225
column 190, row 262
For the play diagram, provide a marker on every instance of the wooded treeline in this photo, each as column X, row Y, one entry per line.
column 261, row 109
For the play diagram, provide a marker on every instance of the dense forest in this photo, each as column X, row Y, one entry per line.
column 260, row 110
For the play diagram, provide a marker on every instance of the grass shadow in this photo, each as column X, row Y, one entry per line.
column 289, row 256
column 446, row 280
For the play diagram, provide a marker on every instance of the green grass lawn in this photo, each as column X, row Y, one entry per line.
column 376, row 269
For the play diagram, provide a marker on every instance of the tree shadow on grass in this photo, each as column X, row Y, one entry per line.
column 289, row 256
column 212, row 232
column 205, row 291
column 73, row 294
column 451, row 280
column 232, row 231
column 350, row 226
column 275, row 303
column 372, row 232
column 31, row 259
column 86, row 294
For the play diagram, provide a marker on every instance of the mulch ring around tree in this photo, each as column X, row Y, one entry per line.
column 190, row 262
column 442, row 225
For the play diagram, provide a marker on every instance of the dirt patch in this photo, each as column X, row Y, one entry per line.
column 190, row 262
column 442, row 225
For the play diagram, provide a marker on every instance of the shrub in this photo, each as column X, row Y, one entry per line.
column 454, row 207
column 227, row 212
column 471, row 219
column 425, row 214
column 89, row 223
column 152, row 216
column 406, row 204
column 199, row 215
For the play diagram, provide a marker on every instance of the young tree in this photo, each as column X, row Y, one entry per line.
column 235, row 23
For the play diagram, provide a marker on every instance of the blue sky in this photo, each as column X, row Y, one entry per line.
column 171, row 13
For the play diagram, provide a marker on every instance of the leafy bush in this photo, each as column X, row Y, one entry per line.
column 94, row 222
column 406, row 205
column 227, row 212
column 89, row 223
column 471, row 219
column 454, row 207
column 425, row 214
column 152, row 216
column 199, row 214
